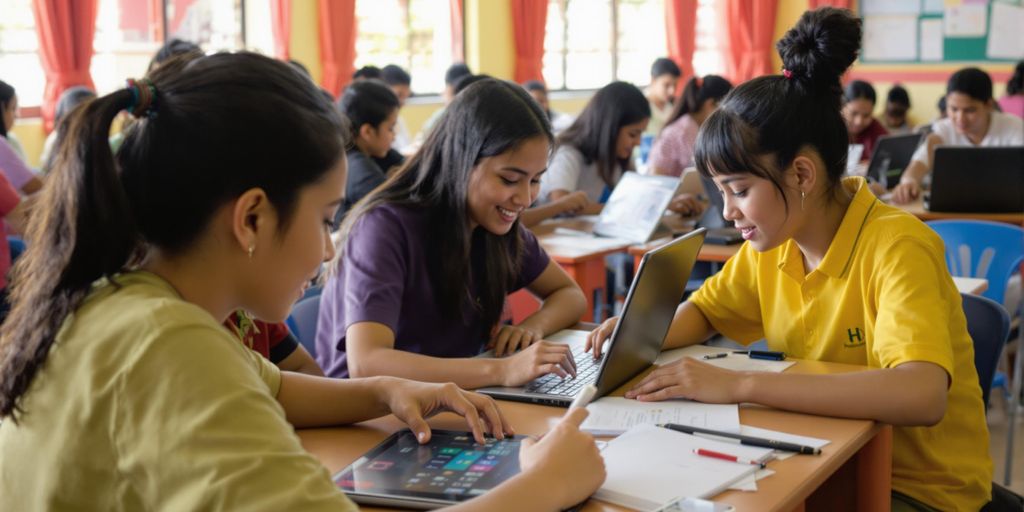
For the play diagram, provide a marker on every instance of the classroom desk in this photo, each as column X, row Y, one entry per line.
column 918, row 210
column 854, row 469
column 708, row 252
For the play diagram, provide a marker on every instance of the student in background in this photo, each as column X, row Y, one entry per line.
column 11, row 163
column 426, row 261
column 401, row 84
column 895, row 118
column 660, row 93
column 559, row 121
column 69, row 99
column 673, row 149
column 11, row 222
column 972, row 120
column 858, row 112
column 591, row 155
column 372, row 111
column 1013, row 101
column 120, row 387
column 273, row 341
column 830, row 273
column 366, row 73
column 452, row 76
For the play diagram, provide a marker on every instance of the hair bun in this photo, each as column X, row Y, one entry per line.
column 820, row 47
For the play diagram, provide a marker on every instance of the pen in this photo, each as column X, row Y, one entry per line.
column 725, row 456
column 763, row 354
column 747, row 440
column 716, row 356
column 583, row 397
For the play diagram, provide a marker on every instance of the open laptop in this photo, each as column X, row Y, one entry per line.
column 636, row 342
column 634, row 209
column 977, row 180
column 892, row 155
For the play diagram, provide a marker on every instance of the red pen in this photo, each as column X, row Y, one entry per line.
column 726, row 456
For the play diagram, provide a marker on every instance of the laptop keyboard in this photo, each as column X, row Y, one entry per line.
column 586, row 373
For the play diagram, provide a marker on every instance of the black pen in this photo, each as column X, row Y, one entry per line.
column 747, row 440
column 770, row 355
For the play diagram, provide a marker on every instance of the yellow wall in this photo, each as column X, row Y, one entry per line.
column 30, row 133
column 305, row 37
column 489, row 43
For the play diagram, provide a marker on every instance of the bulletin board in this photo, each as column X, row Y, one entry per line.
column 942, row 31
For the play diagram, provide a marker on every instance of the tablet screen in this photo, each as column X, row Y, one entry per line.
column 450, row 468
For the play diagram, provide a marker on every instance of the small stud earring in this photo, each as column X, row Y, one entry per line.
column 251, row 249
column 803, row 195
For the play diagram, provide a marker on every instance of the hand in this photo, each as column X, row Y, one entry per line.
column 413, row 401
column 539, row 359
column 596, row 338
column 565, row 454
column 691, row 379
column 687, row 205
column 574, row 202
column 511, row 338
column 906, row 192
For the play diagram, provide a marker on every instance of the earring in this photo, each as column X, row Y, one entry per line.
column 251, row 249
column 803, row 195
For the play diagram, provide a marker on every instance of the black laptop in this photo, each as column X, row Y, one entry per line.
column 892, row 155
column 977, row 180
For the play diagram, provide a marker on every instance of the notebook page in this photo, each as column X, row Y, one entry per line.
column 611, row 416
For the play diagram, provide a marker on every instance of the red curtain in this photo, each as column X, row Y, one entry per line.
column 65, row 29
column 681, row 33
column 337, row 43
column 814, row 4
column 281, row 25
column 749, row 27
column 529, row 18
column 455, row 15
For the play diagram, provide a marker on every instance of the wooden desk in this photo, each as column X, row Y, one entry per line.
column 918, row 210
column 854, row 469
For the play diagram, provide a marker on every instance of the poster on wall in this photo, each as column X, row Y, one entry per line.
column 966, row 20
column 1004, row 36
column 931, row 40
column 890, row 38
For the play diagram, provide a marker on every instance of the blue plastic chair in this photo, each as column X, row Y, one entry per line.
column 17, row 247
column 989, row 326
column 302, row 321
column 977, row 248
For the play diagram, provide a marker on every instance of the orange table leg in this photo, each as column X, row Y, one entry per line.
column 590, row 275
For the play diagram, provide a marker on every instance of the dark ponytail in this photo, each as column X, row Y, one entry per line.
column 220, row 125
column 779, row 115
column 696, row 92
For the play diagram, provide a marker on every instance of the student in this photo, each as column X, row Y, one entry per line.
column 401, row 84
column 11, row 222
column 1013, row 101
column 273, row 341
column 366, row 73
column 972, row 121
column 660, row 92
column 121, row 389
column 428, row 259
column 372, row 111
column 858, row 112
column 830, row 273
column 452, row 76
column 69, row 99
column 12, row 164
column 559, row 121
column 673, row 149
column 897, row 104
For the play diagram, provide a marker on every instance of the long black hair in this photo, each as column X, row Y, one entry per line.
column 219, row 125
column 595, row 132
column 696, row 92
column 368, row 101
column 6, row 95
column 487, row 119
column 860, row 90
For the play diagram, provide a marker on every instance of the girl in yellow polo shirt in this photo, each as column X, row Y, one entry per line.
column 830, row 273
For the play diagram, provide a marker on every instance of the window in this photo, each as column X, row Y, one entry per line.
column 589, row 43
column 19, row 52
column 413, row 34
column 707, row 54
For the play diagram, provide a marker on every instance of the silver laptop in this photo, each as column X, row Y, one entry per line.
column 633, row 211
column 636, row 342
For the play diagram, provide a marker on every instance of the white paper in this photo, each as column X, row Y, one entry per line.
column 871, row 7
column 736, row 362
column 933, row 6
column 1005, row 40
column 570, row 336
column 813, row 442
column 890, row 37
column 648, row 467
column 749, row 484
column 572, row 245
column 966, row 20
column 931, row 40
column 612, row 416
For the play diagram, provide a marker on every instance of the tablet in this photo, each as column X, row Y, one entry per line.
column 451, row 468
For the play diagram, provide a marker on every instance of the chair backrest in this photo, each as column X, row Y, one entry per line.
column 989, row 327
column 303, row 322
column 977, row 248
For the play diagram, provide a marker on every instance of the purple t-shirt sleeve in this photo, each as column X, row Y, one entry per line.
column 12, row 166
column 375, row 268
column 535, row 260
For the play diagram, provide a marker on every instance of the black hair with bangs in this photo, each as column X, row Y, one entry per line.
column 765, row 122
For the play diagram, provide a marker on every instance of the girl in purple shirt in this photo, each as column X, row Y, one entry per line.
column 426, row 261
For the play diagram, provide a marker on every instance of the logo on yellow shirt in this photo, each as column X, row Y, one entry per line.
column 856, row 338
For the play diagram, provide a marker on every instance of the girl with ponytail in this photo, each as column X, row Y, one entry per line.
column 672, row 152
column 830, row 273
column 119, row 387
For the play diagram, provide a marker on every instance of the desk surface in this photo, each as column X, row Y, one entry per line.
column 918, row 210
column 795, row 479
